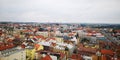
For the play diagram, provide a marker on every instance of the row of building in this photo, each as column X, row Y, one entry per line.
column 55, row 42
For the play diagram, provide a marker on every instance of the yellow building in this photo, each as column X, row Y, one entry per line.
column 30, row 53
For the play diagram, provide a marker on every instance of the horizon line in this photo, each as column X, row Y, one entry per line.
column 58, row 22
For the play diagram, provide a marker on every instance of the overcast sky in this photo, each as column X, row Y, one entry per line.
column 75, row 11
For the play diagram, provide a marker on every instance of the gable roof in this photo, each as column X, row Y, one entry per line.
column 47, row 57
column 104, row 51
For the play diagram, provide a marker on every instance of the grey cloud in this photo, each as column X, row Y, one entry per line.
column 90, row 11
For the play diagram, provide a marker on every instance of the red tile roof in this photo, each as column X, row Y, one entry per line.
column 47, row 57
column 9, row 40
column 40, row 36
column 70, row 34
column 4, row 47
column 88, row 49
column 104, row 51
column 74, row 56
